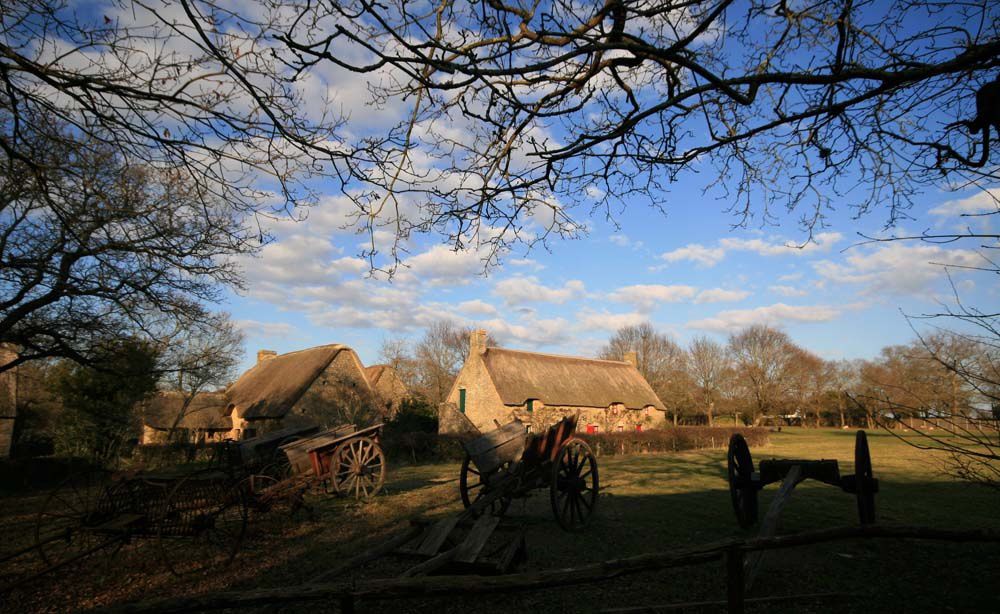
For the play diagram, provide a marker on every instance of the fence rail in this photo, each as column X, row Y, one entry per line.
column 733, row 551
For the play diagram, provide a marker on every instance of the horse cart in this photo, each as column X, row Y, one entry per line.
column 509, row 463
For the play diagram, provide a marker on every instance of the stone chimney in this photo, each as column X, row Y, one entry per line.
column 477, row 342
column 263, row 355
column 632, row 358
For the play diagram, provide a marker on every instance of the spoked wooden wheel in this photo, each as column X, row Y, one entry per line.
column 203, row 525
column 66, row 527
column 473, row 485
column 865, row 483
column 742, row 490
column 575, row 485
column 358, row 469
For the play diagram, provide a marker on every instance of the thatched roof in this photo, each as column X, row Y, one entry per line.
column 272, row 387
column 375, row 372
column 567, row 380
column 207, row 411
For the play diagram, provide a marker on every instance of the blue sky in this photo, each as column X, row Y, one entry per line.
column 687, row 272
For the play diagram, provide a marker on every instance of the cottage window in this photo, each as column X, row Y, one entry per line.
column 638, row 428
column 621, row 428
column 461, row 400
column 591, row 429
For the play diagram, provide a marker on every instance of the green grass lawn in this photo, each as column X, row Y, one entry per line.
column 653, row 503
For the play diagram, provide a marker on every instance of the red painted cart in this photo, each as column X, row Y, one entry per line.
column 344, row 461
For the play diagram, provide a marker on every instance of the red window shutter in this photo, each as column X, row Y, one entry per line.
column 591, row 429
column 638, row 428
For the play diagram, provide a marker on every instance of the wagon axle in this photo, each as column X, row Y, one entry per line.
column 745, row 482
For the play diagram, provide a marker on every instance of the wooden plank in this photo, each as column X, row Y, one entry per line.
column 512, row 431
column 771, row 520
column 435, row 536
column 475, row 541
column 431, row 565
column 370, row 554
column 512, row 552
column 652, row 609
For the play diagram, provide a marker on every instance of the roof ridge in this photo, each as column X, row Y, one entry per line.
column 564, row 356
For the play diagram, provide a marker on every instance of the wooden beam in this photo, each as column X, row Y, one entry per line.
column 771, row 520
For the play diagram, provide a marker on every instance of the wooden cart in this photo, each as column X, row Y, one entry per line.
column 343, row 461
column 509, row 463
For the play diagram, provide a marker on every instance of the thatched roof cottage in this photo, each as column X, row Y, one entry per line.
column 497, row 384
column 321, row 385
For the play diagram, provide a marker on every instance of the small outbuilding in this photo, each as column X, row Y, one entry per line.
column 497, row 385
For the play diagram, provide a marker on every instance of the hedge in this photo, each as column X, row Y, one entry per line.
column 671, row 439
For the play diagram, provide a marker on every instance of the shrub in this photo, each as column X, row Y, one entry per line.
column 670, row 439
column 421, row 447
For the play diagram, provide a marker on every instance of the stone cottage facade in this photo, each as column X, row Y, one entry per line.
column 319, row 385
column 8, row 400
column 500, row 385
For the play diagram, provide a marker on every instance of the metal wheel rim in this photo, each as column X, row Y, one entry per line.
column 574, row 486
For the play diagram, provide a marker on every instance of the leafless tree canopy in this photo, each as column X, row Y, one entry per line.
column 526, row 109
column 500, row 121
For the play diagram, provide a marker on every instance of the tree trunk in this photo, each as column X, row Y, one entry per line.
column 711, row 409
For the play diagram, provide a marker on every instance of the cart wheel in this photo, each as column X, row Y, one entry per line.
column 574, row 485
column 64, row 528
column 865, row 484
column 742, row 490
column 358, row 469
column 472, row 485
column 203, row 525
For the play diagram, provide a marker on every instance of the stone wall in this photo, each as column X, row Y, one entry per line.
column 482, row 403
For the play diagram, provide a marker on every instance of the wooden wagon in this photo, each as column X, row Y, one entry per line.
column 342, row 461
column 509, row 463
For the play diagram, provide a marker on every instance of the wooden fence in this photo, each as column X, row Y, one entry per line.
column 732, row 552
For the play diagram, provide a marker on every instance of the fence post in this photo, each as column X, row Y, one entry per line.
column 734, row 580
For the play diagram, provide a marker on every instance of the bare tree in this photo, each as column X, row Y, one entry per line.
column 510, row 110
column 93, row 247
column 660, row 360
column 709, row 364
column 190, row 86
column 765, row 360
column 202, row 354
column 942, row 393
column 439, row 356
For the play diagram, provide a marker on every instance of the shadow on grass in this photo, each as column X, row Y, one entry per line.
column 655, row 503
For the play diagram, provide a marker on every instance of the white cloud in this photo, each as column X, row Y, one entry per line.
column 646, row 297
column 711, row 256
column 477, row 307
column 255, row 328
column 527, row 263
column 441, row 265
column 518, row 290
column 777, row 315
column 697, row 253
column 791, row 277
column 984, row 201
column 719, row 295
column 620, row 240
column 897, row 267
column 530, row 332
column 591, row 320
column 789, row 291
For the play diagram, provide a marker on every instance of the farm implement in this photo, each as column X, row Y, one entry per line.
column 198, row 518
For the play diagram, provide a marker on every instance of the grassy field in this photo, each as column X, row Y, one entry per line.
column 649, row 503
